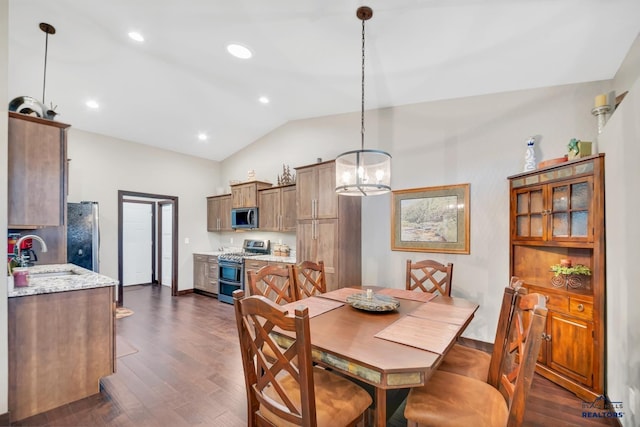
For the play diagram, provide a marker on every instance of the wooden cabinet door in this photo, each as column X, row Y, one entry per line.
column 36, row 174
column 570, row 349
column 306, row 191
column 306, row 248
column 269, row 202
column 224, row 213
column 212, row 283
column 200, row 271
column 327, row 250
column 288, row 217
column 213, row 210
column 327, row 204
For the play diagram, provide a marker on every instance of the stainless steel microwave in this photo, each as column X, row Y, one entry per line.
column 244, row 218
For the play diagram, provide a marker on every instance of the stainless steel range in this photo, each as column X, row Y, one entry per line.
column 231, row 267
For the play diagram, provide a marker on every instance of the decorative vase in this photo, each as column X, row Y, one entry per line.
column 530, row 156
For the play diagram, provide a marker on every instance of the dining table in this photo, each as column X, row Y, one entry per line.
column 388, row 347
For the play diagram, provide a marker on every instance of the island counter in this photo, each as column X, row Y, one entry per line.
column 61, row 338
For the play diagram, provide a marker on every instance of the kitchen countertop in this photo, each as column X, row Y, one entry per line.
column 272, row 258
column 82, row 279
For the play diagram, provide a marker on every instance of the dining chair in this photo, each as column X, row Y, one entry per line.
column 455, row 400
column 429, row 276
column 309, row 279
column 273, row 282
column 476, row 363
column 283, row 393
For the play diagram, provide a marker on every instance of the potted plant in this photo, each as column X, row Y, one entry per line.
column 569, row 275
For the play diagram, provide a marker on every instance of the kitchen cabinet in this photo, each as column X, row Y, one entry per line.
column 277, row 208
column 60, row 345
column 205, row 274
column 219, row 213
column 328, row 225
column 37, row 172
column 245, row 195
column 558, row 213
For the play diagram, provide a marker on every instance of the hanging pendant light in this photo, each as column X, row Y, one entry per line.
column 363, row 172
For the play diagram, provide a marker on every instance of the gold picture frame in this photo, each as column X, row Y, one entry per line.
column 431, row 219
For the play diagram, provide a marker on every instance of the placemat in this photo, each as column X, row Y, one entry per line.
column 444, row 313
column 405, row 294
column 316, row 306
column 340, row 294
column 425, row 334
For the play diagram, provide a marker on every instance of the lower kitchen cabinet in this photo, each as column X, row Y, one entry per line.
column 205, row 274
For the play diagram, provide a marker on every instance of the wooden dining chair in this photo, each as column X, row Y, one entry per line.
column 283, row 393
column 429, row 276
column 476, row 363
column 455, row 400
column 309, row 279
column 273, row 282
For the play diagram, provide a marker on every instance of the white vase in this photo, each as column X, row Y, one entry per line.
column 530, row 156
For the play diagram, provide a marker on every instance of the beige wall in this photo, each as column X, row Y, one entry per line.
column 4, row 54
column 479, row 140
column 100, row 166
column 621, row 140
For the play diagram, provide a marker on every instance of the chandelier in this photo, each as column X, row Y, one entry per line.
column 363, row 172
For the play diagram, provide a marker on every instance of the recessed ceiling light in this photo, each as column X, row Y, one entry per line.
column 202, row 136
column 134, row 35
column 263, row 100
column 239, row 51
column 93, row 104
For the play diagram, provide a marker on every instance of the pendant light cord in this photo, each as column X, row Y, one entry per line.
column 362, row 99
column 44, row 82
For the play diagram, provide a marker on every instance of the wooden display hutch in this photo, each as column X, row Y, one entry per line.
column 557, row 213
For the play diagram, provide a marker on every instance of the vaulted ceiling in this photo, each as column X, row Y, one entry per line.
column 181, row 81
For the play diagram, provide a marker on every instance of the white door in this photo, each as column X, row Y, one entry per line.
column 136, row 243
column 166, row 243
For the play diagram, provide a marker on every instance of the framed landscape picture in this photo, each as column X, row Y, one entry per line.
column 431, row 219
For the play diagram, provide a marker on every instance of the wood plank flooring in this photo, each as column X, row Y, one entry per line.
column 180, row 365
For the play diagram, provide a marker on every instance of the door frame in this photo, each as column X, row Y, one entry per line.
column 160, row 204
column 122, row 194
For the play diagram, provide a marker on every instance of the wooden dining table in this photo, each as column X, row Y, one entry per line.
column 394, row 349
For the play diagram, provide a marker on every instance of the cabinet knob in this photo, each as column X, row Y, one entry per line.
column 580, row 307
column 546, row 337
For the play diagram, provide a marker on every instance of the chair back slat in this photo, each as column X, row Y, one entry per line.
column 256, row 319
column 520, row 352
column 309, row 279
column 273, row 282
column 429, row 276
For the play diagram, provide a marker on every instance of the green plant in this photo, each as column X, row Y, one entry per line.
column 573, row 146
column 559, row 269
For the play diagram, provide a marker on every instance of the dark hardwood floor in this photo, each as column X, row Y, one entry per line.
column 179, row 365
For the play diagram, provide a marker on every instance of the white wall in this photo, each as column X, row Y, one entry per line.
column 480, row 140
column 100, row 166
column 621, row 140
column 4, row 54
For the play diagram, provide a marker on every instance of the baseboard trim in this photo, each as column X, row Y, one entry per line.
column 5, row 419
column 185, row 292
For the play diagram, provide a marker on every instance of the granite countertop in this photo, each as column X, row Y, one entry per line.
column 53, row 279
column 272, row 258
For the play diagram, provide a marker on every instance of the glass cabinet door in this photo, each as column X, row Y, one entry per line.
column 530, row 213
column 571, row 211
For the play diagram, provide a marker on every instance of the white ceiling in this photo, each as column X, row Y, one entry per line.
column 181, row 81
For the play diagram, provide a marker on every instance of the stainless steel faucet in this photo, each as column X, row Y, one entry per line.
column 23, row 262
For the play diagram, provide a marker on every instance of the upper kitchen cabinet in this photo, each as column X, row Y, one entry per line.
column 37, row 172
column 245, row 195
column 278, row 208
column 317, row 198
column 219, row 213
